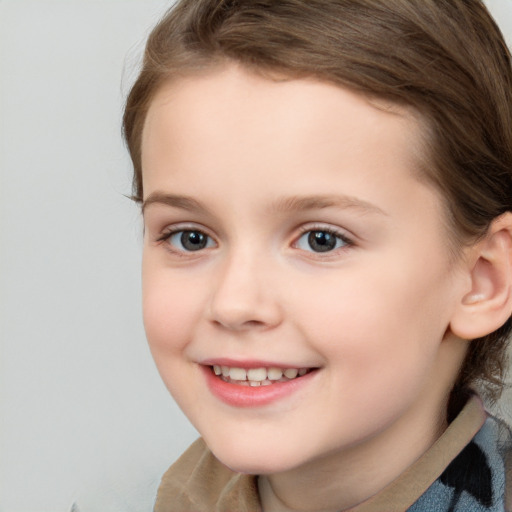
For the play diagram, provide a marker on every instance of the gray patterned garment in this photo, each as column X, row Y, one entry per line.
column 475, row 480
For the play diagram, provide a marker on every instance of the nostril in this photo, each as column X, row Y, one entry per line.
column 239, row 325
column 254, row 323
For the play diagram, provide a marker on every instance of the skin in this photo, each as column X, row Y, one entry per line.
column 373, row 314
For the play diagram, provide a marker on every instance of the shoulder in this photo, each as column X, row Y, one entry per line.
column 495, row 442
column 198, row 481
column 505, row 443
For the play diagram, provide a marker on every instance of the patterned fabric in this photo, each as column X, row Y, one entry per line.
column 475, row 480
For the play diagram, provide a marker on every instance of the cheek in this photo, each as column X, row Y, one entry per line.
column 169, row 309
column 380, row 339
column 376, row 322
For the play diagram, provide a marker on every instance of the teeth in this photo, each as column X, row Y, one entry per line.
column 237, row 374
column 291, row 373
column 274, row 373
column 257, row 376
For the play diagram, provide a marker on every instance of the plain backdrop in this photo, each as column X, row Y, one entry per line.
column 85, row 423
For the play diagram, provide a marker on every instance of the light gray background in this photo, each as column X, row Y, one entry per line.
column 84, row 418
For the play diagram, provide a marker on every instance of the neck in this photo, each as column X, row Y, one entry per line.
column 346, row 478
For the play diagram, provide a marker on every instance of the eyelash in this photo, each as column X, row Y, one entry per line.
column 170, row 232
column 338, row 235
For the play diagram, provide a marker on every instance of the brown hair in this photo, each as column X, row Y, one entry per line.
column 446, row 59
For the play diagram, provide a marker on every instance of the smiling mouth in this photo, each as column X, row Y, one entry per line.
column 255, row 377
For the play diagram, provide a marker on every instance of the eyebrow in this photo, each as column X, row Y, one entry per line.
column 283, row 205
column 301, row 203
column 183, row 202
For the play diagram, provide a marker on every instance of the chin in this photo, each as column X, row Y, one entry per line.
column 254, row 466
column 253, row 459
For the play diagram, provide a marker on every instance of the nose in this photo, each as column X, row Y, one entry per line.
column 244, row 295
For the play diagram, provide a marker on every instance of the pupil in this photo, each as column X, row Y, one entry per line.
column 321, row 241
column 193, row 240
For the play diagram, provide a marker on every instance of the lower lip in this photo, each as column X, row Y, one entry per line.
column 248, row 396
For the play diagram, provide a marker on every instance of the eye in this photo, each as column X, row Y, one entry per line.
column 322, row 240
column 189, row 240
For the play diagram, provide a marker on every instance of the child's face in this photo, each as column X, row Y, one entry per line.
column 284, row 228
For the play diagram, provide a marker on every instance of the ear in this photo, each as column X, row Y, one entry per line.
column 488, row 303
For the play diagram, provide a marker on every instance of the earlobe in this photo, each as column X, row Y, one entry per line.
column 488, row 304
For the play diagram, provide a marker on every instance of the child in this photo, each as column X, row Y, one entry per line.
column 327, row 271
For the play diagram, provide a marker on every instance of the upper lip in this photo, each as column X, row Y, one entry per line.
column 247, row 364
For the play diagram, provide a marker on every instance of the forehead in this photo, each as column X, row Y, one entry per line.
column 299, row 105
column 231, row 123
